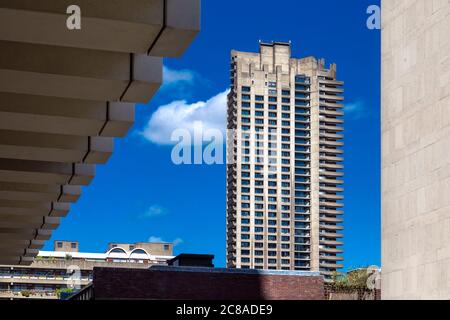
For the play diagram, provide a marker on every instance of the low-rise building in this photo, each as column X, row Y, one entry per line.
column 66, row 267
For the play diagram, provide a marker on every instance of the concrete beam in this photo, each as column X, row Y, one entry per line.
column 54, row 147
column 31, row 208
column 65, row 116
column 32, row 222
column 7, row 261
column 24, row 234
column 126, row 26
column 78, row 73
column 39, row 192
column 43, row 172
column 17, row 244
column 182, row 26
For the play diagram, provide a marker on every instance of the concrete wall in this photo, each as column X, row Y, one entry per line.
column 416, row 149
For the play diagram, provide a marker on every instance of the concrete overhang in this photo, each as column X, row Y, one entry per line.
column 65, row 94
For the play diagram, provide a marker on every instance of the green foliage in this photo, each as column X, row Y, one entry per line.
column 60, row 290
column 350, row 281
column 26, row 293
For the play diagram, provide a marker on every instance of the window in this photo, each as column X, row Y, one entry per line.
column 59, row 244
column 259, row 98
column 245, row 89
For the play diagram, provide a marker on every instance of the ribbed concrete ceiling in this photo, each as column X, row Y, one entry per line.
column 65, row 94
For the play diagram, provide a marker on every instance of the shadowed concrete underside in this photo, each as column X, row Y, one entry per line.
column 65, row 94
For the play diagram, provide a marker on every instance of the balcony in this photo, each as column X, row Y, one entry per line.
column 323, row 87
column 330, row 158
column 331, row 104
column 331, row 189
column 331, row 82
column 331, row 143
column 326, row 173
column 331, row 166
column 330, row 112
column 331, row 196
column 331, row 128
column 331, row 265
column 330, row 120
column 331, row 204
column 331, row 250
column 330, row 211
column 330, row 219
column 331, row 227
column 330, row 235
column 328, row 97
column 331, row 243
column 331, row 135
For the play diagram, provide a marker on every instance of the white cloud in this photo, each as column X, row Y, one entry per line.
column 172, row 76
column 154, row 211
column 175, row 242
column 355, row 110
column 155, row 239
column 179, row 114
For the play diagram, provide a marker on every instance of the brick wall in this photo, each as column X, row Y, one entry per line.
column 112, row 283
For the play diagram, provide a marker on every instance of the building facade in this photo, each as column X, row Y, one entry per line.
column 415, row 149
column 284, row 170
column 66, row 267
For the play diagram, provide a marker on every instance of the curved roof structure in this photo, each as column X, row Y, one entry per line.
column 65, row 94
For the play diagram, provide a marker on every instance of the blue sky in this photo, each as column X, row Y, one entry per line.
column 140, row 194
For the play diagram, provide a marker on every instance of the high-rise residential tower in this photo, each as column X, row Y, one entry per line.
column 284, row 172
